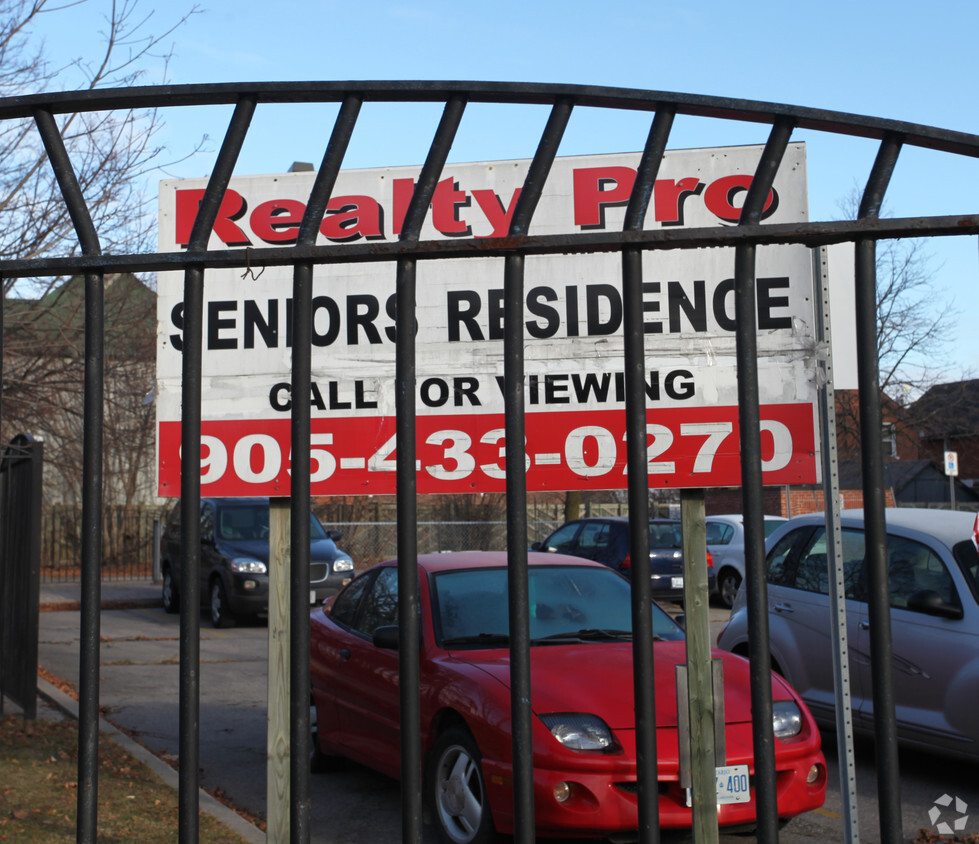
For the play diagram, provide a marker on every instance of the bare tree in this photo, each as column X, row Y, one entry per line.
column 913, row 314
column 112, row 154
column 44, row 347
column 111, row 151
column 913, row 342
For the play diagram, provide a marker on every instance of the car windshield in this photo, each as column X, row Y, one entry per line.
column 772, row 525
column 665, row 535
column 251, row 522
column 567, row 603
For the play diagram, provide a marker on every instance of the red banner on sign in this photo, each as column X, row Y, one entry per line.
column 686, row 447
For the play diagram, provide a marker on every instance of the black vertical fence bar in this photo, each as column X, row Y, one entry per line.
column 299, row 648
column 516, row 476
column 766, row 799
column 875, row 531
column 190, row 476
column 407, row 504
column 93, row 415
column 637, row 461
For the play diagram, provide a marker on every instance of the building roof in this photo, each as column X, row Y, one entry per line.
column 912, row 481
column 949, row 410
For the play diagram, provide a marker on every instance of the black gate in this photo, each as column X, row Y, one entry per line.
column 750, row 232
column 20, row 570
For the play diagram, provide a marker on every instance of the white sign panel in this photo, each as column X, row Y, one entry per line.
column 573, row 327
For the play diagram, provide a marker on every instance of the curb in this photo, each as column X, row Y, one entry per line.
column 215, row 808
column 114, row 604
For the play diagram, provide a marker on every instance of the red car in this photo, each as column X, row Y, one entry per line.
column 582, row 696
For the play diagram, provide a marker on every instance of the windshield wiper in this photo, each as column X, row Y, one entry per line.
column 477, row 639
column 587, row 634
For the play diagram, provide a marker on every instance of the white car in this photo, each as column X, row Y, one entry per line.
column 933, row 581
column 725, row 541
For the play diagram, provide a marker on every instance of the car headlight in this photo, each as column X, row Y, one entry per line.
column 248, row 566
column 786, row 719
column 579, row 731
column 343, row 565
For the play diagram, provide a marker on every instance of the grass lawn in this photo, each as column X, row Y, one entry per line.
column 38, row 789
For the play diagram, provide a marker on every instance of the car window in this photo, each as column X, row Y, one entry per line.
column 780, row 572
column 772, row 525
column 469, row 604
column 664, row 536
column 719, row 533
column 380, row 605
column 207, row 521
column 968, row 560
column 914, row 567
column 345, row 605
column 244, row 522
column 563, row 538
column 594, row 536
column 811, row 573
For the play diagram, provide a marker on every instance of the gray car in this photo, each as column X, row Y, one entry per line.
column 725, row 541
column 933, row 577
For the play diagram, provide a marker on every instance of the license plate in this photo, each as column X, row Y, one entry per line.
column 732, row 784
column 676, row 583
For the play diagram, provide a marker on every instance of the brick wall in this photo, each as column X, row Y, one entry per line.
column 784, row 501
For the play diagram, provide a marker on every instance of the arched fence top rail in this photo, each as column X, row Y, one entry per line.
column 499, row 93
column 514, row 93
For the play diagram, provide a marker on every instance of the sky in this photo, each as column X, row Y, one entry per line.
column 900, row 60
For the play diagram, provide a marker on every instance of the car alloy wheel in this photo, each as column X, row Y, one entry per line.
column 459, row 803
column 171, row 597
column 220, row 614
column 728, row 583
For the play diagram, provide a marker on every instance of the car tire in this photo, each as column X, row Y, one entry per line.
column 171, row 595
column 457, row 790
column 728, row 583
column 221, row 615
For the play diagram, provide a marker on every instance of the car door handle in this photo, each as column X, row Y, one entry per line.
column 344, row 654
column 783, row 608
column 864, row 625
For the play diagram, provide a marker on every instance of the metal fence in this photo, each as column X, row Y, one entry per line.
column 371, row 542
column 127, row 543
column 778, row 121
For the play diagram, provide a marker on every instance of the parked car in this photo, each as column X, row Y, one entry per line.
column 583, row 730
column 725, row 541
column 605, row 539
column 235, row 559
column 934, row 587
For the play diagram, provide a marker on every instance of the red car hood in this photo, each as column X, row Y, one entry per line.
column 597, row 678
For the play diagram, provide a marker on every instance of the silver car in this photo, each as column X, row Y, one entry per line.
column 933, row 578
column 725, row 541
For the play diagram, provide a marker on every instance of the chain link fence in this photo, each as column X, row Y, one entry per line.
column 371, row 542
column 128, row 545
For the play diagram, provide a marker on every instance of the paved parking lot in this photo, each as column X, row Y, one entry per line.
column 139, row 688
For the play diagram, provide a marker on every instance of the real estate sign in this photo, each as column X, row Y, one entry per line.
column 573, row 314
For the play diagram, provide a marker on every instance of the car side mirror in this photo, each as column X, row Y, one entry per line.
column 535, row 546
column 929, row 602
column 334, row 534
column 386, row 636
